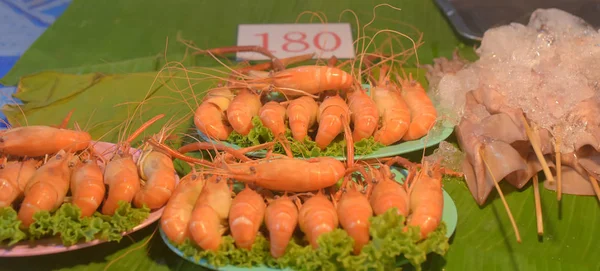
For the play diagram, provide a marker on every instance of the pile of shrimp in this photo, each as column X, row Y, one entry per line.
column 316, row 100
column 67, row 166
column 204, row 207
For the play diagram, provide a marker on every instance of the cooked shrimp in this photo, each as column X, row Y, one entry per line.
column 178, row 212
column 33, row 141
column 310, row 79
column 210, row 214
column 331, row 111
column 157, row 169
column 272, row 116
column 242, row 109
column 394, row 113
column 87, row 186
column 47, row 188
column 423, row 113
column 14, row 176
column 210, row 116
column 364, row 114
column 121, row 173
column 317, row 216
column 302, row 114
column 281, row 218
column 245, row 217
column 426, row 199
column 388, row 193
column 354, row 211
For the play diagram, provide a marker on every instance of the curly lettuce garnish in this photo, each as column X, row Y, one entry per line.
column 67, row 223
column 9, row 226
column 389, row 248
column 260, row 134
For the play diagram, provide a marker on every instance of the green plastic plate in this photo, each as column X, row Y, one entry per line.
column 449, row 216
column 437, row 134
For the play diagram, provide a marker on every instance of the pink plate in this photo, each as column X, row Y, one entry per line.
column 53, row 245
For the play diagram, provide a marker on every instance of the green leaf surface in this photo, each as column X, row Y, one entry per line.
column 130, row 36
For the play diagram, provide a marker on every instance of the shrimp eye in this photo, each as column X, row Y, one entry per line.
column 218, row 179
column 1, row 139
column 252, row 169
column 194, row 177
column 58, row 156
column 393, row 175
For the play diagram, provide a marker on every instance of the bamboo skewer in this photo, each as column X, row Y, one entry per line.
column 558, row 158
column 538, row 151
column 595, row 186
column 538, row 206
column 510, row 216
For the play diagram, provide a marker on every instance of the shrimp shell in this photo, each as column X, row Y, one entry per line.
column 387, row 194
column 354, row 212
column 33, row 141
column 364, row 115
column 158, row 171
column 13, row 179
column 281, row 218
column 47, row 188
column 87, row 187
column 331, row 111
column 311, row 79
column 272, row 116
column 317, row 216
column 394, row 113
column 178, row 211
column 210, row 214
column 423, row 113
column 245, row 217
column 121, row 176
column 302, row 114
column 241, row 110
column 426, row 200
column 210, row 116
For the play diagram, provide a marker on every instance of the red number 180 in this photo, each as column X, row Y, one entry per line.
column 295, row 42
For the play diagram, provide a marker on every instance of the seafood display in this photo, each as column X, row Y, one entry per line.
column 315, row 99
column 206, row 208
column 530, row 103
column 43, row 196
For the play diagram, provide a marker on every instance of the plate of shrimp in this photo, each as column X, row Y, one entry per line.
column 95, row 177
column 400, row 119
column 197, row 193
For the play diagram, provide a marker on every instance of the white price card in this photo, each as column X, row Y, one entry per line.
column 287, row 40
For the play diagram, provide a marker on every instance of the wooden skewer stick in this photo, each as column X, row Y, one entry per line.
column 538, row 206
column 538, row 151
column 595, row 186
column 558, row 157
column 510, row 216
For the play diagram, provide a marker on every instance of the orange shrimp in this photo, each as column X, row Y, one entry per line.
column 244, row 106
column 300, row 175
column 210, row 214
column 33, row 141
column 394, row 113
column 364, row 114
column 281, row 218
column 245, row 217
column 331, row 111
column 354, row 211
column 272, row 115
column 388, row 193
column 302, row 114
column 316, row 217
column 178, row 212
column 157, row 169
column 426, row 199
column 423, row 113
column 47, row 188
column 14, row 176
column 210, row 116
column 308, row 79
column 121, row 173
column 87, row 186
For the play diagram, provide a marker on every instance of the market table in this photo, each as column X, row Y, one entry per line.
column 123, row 39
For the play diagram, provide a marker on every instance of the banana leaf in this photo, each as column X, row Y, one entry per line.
column 116, row 49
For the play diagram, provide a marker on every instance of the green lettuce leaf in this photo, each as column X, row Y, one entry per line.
column 389, row 246
column 260, row 134
column 67, row 223
column 9, row 226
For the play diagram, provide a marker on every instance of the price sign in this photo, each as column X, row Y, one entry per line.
column 286, row 40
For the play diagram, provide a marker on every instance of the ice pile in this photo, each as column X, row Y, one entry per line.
column 548, row 72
